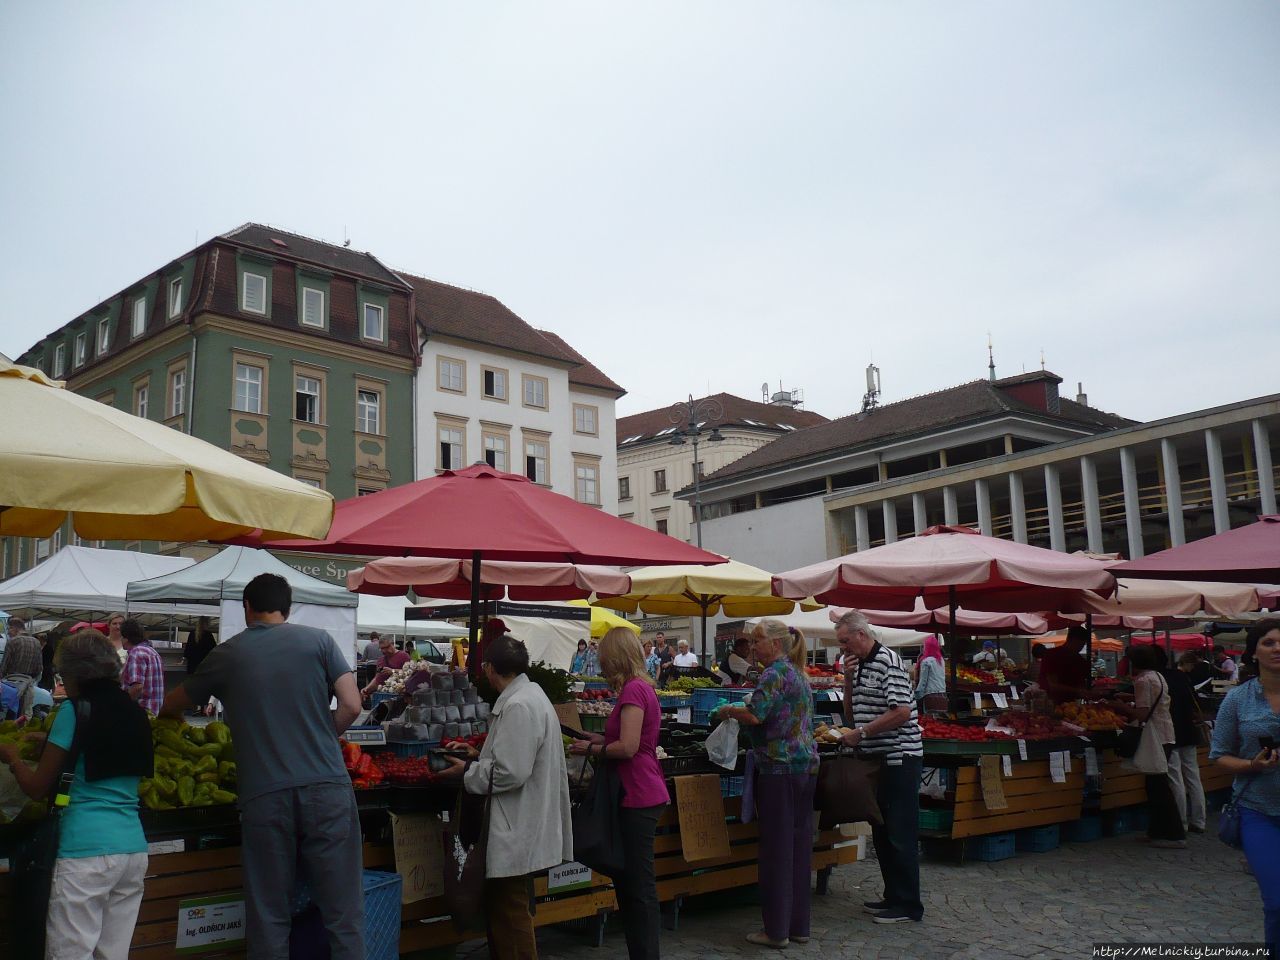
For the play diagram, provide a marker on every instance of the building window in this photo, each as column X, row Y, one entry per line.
column 306, row 399
column 175, row 297
column 535, row 392
column 253, row 293
column 178, row 392
column 659, row 481
column 104, row 335
column 451, row 451
column 140, row 395
column 584, row 419
column 312, row 307
column 495, row 383
column 535, row 461
column 586, row 483
column 661, row 525
column 624, row 488
column 248, row 388
column 495, row 452
column 82, row 348
column 367, row 491
column 310, row 482
column 371, row 328
column 368, row 411
column 451, row 375
column 60, row 360
column 139, row 317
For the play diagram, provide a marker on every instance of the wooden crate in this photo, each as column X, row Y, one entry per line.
column 1034, row 799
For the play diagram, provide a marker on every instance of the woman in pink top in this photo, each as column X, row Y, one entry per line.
column 631, row 741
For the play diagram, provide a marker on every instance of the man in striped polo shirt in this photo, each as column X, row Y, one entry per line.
column 879, row 705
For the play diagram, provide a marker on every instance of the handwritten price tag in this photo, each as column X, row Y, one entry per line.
column 1002, row 702
column 1008, row 765
column 1022, row 749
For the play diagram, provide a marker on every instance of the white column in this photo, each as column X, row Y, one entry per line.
column 890, row 511
column 1092, row 509
column 1266, row 472
column 1217, row 481
column 1018, row 507
column 860, row 532
column 950, row 510
column 1053, row 494
column 920, row 513
column 982, row 490
column 1132, row 508
column 1173, row 492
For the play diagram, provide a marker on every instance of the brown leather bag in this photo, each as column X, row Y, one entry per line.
column 846, row 791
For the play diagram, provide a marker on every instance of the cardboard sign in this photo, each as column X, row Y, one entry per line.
column 568, row 876
column 704, row 835
column 209, row 922
column 419, row 849
column 567, row 713
column 992, row 787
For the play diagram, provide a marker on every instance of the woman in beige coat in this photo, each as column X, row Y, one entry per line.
column 529, row 826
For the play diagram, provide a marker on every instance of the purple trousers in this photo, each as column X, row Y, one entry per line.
column 784, row 807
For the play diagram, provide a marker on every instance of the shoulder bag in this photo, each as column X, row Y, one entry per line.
column 35, row 862
column 1229, row 819
column 464, row 863
column 597, row 824
column 1131, row 736
column 846, row 791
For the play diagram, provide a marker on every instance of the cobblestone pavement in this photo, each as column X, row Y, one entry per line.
column 1045, row 905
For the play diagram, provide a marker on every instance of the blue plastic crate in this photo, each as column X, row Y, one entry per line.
column 378, row 697
column 1083, row 830
column 411, row 748
column 595, row 685
column 381, row 915
column 997, row 846
column 706, row 699
column 1125, row 820
column 668, row 704
column 732, row 786
column 1038, row 839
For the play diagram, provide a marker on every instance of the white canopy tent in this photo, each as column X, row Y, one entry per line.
column 818, row 629
column 553, row 642
column 386, row 616
column 85, row 582
column 218, row 584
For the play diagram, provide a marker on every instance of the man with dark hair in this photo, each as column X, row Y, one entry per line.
column 297, row 806
column 143, row 675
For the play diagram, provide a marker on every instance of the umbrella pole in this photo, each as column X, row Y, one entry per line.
column 951, row 634
column 473, row 649
column 1088, row 650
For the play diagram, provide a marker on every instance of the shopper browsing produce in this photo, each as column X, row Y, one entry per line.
column 1064, row 672
column 297, row 807
column 143, row 676
column 931, row 677
column 390, row 661
column 684, row 658
column 631, row 741
column 779, row 719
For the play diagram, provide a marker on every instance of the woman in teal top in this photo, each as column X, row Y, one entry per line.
column 102, row 853
column 779, row 720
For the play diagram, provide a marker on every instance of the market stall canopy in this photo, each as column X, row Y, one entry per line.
column 121, row 477
column 602, row 621
column 1099, row 644
column 1176, row 641
column 734, row 589
column 820, row 630
column 1170, row 598
column 969, row 622
column 502, row 579
column 1249, row 554
column 224, row 576
column 482, row 512
column 88, row 581
column 949, row 564
column 386, row 615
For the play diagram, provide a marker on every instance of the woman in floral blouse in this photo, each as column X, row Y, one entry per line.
column 779, row 719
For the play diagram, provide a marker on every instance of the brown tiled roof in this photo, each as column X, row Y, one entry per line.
column 586, row 373
column 973, row 401
column 737, row 412
column 282, row 243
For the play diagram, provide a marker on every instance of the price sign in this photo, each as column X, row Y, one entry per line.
column 1013, row 691
column 568, row 715
column 210, row 922
column 700, row 808
column 1001, row 701
column 1008, row 765
column 568, row 876
column 1066, row 761
column 418, row 839
column 1090, row 762
column 684, row 714
column 977, row 701
column 1022, row 749
column 1056, row 773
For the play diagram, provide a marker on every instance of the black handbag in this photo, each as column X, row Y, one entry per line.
column 846, row 791
column 465, row 853
column 1131, row 737
column 35, row 862
column 597, row 823
column 1229, row 820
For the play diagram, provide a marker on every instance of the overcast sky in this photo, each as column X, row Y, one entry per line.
column 699, row 196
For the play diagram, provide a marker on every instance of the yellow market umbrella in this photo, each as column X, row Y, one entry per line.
column 734, row 589
column 602, row 621
column 121, row 477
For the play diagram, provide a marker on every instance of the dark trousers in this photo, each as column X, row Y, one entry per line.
column 509, row 919
column 314, row 827
column 1164, row 822
column 784, row 807
column 897, row 847
column 636, row 887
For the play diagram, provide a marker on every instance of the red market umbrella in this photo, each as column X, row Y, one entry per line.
column 1170, row 598
column 1245, row 555
column 451, row 579
column 979, row 623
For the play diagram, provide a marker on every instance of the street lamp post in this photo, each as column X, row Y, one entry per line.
column 693, row 415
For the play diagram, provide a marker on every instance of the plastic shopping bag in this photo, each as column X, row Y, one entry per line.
column 722, row 745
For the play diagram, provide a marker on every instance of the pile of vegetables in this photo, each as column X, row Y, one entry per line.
column 194, row 766
column 687, row 685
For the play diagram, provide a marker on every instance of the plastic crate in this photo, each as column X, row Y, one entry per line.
column 592, row 724
column 707, row 698
column 935, row 819
column 595, row 685
column 411, row 748
column 997, row 846
column 732, row 786
column 381, row 915
column 1125, row 820
column 670, row 704
column 378, row 697
column 1038, row 839
column 1082, row 830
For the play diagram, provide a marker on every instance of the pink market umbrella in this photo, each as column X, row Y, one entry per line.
column 1169, row 598
column 967, row 621
column 451, row 579
column 1248, row 554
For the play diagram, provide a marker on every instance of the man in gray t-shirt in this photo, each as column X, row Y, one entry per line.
column 297, row 806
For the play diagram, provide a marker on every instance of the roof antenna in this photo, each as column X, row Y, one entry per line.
column 991, row 359
column 1042, row 358
column 346, row 240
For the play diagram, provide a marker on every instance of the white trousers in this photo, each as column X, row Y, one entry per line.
column 1184, row 779
column 93, row 907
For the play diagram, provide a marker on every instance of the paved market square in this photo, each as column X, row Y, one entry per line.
column 1033, row 906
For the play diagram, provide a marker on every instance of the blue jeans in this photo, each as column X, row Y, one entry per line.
column 1261, row 836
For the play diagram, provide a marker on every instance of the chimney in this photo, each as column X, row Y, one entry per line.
column 1082, row 398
